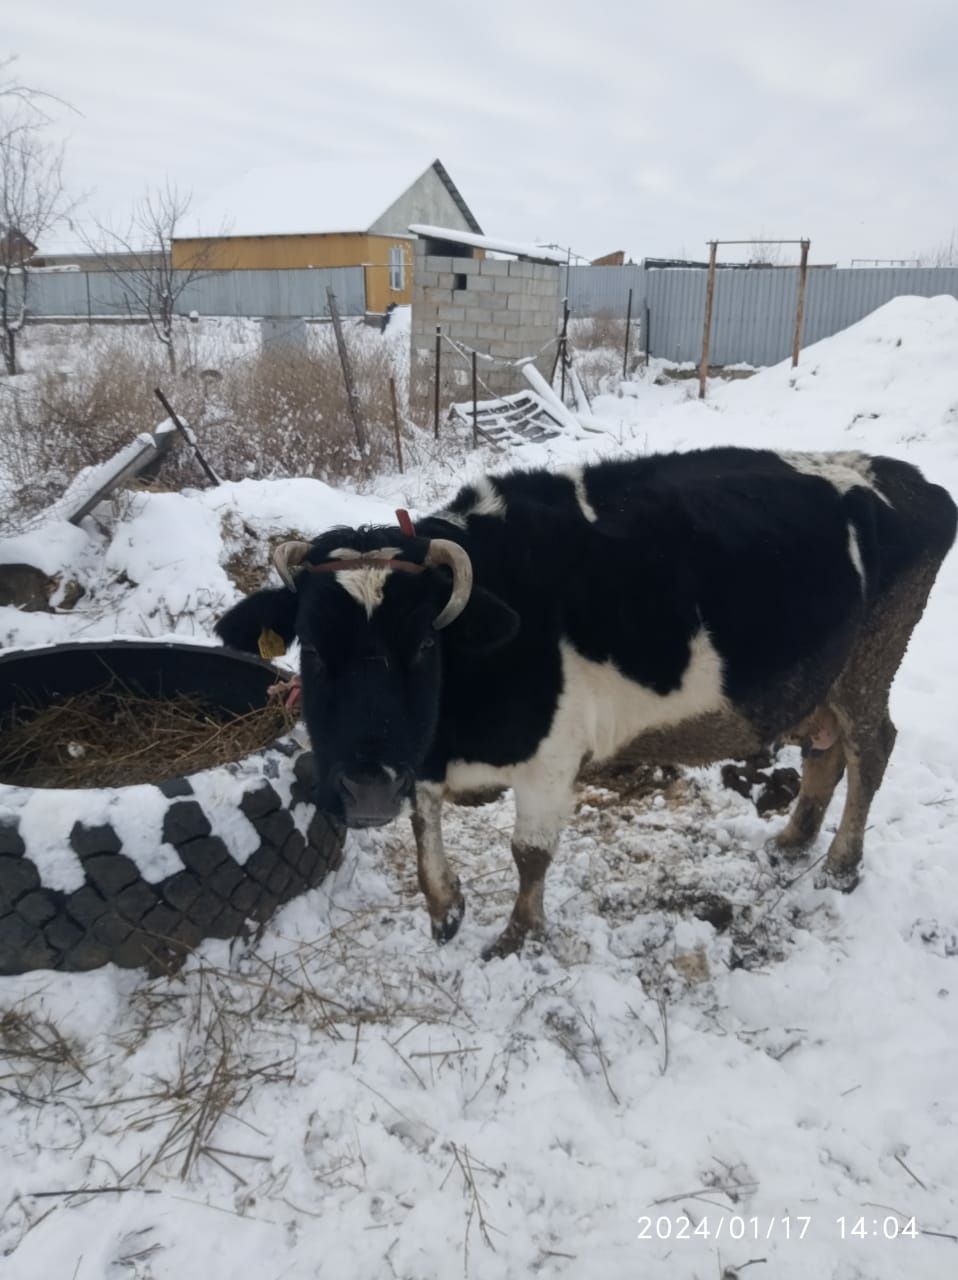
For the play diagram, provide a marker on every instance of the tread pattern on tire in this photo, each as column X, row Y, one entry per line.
column 117, row 915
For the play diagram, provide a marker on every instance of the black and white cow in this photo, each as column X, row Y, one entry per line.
column 682, row 608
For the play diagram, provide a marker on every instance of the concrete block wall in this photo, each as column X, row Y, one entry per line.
column 504, row 308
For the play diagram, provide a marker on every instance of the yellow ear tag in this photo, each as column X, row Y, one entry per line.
column 271, row 645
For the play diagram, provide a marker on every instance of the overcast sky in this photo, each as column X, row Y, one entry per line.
column 649, row 128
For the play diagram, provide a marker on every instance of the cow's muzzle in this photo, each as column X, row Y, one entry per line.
column 371, row 797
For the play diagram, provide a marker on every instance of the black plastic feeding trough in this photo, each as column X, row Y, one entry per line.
column 74, row 895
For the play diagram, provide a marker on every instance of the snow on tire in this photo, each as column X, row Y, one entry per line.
column 140, row 875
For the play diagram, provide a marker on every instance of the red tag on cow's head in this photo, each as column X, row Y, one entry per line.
column 405, row 522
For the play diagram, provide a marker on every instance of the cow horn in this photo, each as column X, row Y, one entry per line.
column 287, row 557
column 442, row 551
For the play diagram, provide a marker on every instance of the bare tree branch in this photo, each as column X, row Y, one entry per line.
column 944, row 254
column 32, row 201
column 14, row 91
column 140, row 259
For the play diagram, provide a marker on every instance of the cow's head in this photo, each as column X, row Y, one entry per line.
column 380, row 616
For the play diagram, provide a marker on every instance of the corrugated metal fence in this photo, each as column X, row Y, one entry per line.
column 753, row 319
column 221, row 293
column 754, row 310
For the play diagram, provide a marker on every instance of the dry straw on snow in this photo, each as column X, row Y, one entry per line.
column 112, row 736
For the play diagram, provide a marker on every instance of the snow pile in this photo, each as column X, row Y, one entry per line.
column 707, row 1041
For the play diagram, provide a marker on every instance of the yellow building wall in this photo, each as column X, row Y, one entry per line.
column 333, row 249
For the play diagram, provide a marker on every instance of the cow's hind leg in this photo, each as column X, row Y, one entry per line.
column 821, row 774
column 868, row 746
column 528, row 917
column 543, row 803
column 859, row 699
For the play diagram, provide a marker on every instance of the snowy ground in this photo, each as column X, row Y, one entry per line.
column 343, row 1099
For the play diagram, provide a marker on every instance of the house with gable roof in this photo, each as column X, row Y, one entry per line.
column 324, row 215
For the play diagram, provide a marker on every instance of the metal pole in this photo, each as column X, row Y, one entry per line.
column 648, row 334
column 563, row 343
column 800, row 309
column 188, row 436
column 628, row 327
column 707, row 329
column 89, row 307
column 351, row 396
column 475, row 404
column 392, row 396
column 435, row 406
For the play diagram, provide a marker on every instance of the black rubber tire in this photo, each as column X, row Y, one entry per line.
column 118, row 916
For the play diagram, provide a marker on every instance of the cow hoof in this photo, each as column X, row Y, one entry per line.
column 509, row 943
column 778, row 850
column 445, row 930
column 843, row 881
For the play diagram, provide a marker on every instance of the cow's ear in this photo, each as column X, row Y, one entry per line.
column 486, row 624
column 270, row 610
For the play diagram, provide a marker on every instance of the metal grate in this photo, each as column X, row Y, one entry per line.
column 522, row 418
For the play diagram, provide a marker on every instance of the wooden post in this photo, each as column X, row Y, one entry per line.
column 475, row 404
column 707, row 329
column 563, row 344
column 188, row 436
column 351, row 396
column 89, row 307
column 800, row 309
column 647, row 334
column 628, row 327
column 392, row 396
column 435, row 405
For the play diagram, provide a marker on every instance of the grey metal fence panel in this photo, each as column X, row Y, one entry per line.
column 75, row 293
column 675, row 298
column 837, row 299
column 754, row 311
column 594, row 291
column 221, row 293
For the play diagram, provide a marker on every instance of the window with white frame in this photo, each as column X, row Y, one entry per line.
column 397, row 268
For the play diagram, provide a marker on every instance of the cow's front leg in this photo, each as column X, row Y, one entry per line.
column 543, row 804
column 444, row 898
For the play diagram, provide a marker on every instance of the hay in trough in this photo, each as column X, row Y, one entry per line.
column 116, row 736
